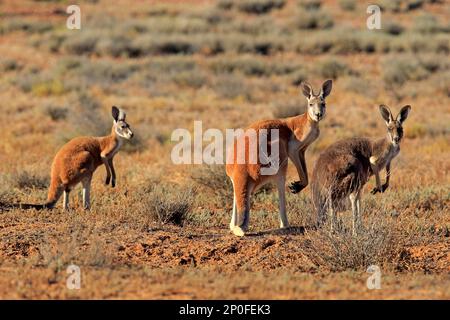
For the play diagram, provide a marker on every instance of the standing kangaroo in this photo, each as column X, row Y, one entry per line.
column 295, row 135
column 344, row 168
column 78, row 159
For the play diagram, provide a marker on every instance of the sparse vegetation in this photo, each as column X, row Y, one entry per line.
column 259, row 6
column 313, row 20
column 378, row 244
column 332, row 68
column 169, row 204
column 227, row 63
column 347, row 5
column 310, row 4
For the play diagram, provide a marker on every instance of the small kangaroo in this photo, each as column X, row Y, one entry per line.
column 295, row 135
column 78, row 159
column 344, row 168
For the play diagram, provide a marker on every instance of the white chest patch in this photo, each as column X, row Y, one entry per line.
column 381, row 161
column 113, row 152
column 116, row 149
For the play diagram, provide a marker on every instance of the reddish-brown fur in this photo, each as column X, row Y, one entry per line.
column 345, row 167
column 295, row 135
column 77, row 160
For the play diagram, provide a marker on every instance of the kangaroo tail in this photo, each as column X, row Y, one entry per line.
column 23, row 206
column 54, row 193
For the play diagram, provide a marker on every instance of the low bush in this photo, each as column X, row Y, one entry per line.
column 230, row 86
column 310, row 4
column 82, row 42
column 251, row 66
column 259, row 6
column 333, row 68
column 214, row 179
column 26, row 26
column 27, row 180
column 427, row 23
column 170, row 204
column 313, row 20
column 56, row 113
column 9, row 65
column 393, row 28
column 378, row 244
column 347, row 5
column 288, row 108
column 399, row 70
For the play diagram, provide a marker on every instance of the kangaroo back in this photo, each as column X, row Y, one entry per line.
column 341, row 169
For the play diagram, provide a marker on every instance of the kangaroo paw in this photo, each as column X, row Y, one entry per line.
column 237, row 231
column 375, row 190
column 296, row 187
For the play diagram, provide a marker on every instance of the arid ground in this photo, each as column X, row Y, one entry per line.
column 162, row 232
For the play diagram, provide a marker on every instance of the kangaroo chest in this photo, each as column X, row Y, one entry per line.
column 295, row 143
column 111, row 150
column 381, row 160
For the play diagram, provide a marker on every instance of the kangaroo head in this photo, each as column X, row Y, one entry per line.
column 121, row 127
column 394, row 126
column 316, row 102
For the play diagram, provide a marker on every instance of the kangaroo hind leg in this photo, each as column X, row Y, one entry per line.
column 86, row 182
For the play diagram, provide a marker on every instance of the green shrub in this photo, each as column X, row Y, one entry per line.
column 379, row 244
column 310, row 4
column 259, row 6
column 393, row 28
column 225, row 4
column 250, row 66
column 289, row 108
column 427, row 23
column 56, row 113
column 332, row 68
column 85, row 118
column 230, row 86
column 361, row 86
column 48, row 88
column 298, row 76
column 114, row 46
column 194, row 79
column 263, row 45
column 213, row 179
column 177, row 44
column 9, row 65
column 347, row 5
column 257, row 26
column 81, row 43
column 398, row 6
column 313, row 20
column 104, row 73
column 170, row 204
column 397, row 71
column 26, row 26
column 26, row 180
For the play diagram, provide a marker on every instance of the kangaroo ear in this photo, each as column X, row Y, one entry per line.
column 326, row 88
column 306, row 89
column 386, row 113
column 403, row 113
column 122, row 115
column 115, row 113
